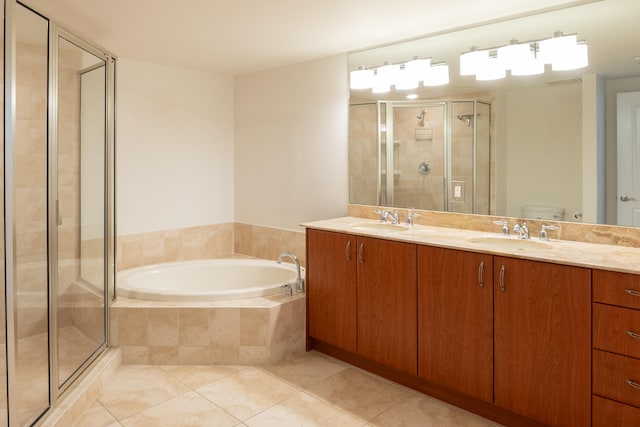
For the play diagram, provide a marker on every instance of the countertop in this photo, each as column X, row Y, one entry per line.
column 589, row 255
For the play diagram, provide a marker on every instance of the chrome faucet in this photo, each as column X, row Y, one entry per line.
column 505, row 227
column 410, row 216
column 544, row 234
column 522, row 231
column 384, row 216
column 299, row 279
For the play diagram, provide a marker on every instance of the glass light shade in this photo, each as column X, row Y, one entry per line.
column 578, row 57
column 523, row 62
column 388, row 73
column 418, row 68
column 361, row 78
column 470, row 62
column 512, row 55
column 380, row 85
column 554, row 49
column 438, row 75
column 491, row 69
column 406, row 81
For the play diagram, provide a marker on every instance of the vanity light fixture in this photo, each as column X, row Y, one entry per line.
column 562, row 52
column 412, row 96
column 403, row 76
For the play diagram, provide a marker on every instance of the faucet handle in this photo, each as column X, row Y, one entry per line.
column 410, row 216
column 505, row 227
column 383, row 214
column 544, row 235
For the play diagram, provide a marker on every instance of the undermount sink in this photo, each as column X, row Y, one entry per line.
column 380, row 226
column 511, row 243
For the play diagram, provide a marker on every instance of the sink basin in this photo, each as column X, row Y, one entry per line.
column 511, row 244
column 376, row 227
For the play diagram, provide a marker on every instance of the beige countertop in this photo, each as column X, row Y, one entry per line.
column 590, row 255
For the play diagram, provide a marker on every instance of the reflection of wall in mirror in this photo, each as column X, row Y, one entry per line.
column 543, row 148
column 363, row 154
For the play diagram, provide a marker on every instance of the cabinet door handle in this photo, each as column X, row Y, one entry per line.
column 480, row 270
column 632, row 292
column 633, row 335
column 502, row 278
column 348, row 251
column 361, row 253
column 632, row 383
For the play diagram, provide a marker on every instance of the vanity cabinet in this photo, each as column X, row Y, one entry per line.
column 616, row 349
column 542, row 341
column 362, row 297
column 331, row 288
column 455, row 320
column 505, row 337
column 387, row 303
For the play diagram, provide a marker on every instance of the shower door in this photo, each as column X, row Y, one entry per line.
column 80, row 194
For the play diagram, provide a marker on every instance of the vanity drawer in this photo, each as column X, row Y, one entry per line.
column 607, row 413
column 616, row 377
column 621, row 289
column 616, row 329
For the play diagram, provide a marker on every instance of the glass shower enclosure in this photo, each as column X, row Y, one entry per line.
column 58, row 210
column 431, row 154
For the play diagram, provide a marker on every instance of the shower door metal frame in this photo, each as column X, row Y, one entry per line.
column 447, row 153
column 57, row 32
column 10, row 47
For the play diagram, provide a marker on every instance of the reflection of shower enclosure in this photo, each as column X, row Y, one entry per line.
column 432, row 154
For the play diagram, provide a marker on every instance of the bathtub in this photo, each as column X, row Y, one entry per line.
column 206, row 280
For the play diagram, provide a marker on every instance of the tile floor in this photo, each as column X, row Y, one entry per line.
column 309, row 390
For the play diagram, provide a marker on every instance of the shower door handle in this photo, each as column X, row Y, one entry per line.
column 58, row 216
column 627, row 199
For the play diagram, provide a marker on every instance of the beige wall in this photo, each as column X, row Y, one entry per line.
column 543, row 133
column 291, row 144
column 174, row 147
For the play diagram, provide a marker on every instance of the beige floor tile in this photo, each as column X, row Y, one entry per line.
column 363, row 395
column 96, row 416
column 135, row 389
column 198, row 376
column 307, row 369
column 248, row 392
column 305, row 411
column 419, row 411
column 187, row 410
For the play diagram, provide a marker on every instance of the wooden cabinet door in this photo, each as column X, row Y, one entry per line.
column 455, row 320
column 542, row 340
column 331, row 288
column 387, row 320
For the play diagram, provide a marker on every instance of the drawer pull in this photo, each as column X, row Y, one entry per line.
column 632, row 383
column 633, row 335
column 348, row 251
column 480, row 270
column 632, row 292
column 502, row 278
column 361, row 253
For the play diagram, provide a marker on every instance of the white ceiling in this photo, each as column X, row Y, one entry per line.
column 241, row 37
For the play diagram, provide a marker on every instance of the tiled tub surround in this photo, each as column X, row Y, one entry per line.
column 207, row 241
column 252, row 331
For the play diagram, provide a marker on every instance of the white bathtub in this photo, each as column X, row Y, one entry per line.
column 206, row 280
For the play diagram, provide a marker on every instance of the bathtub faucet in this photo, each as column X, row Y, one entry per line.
column 299, row 280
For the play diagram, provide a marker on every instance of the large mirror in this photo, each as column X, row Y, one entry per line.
column 548, row 146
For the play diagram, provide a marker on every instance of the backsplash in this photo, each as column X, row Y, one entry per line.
column 589, row 233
